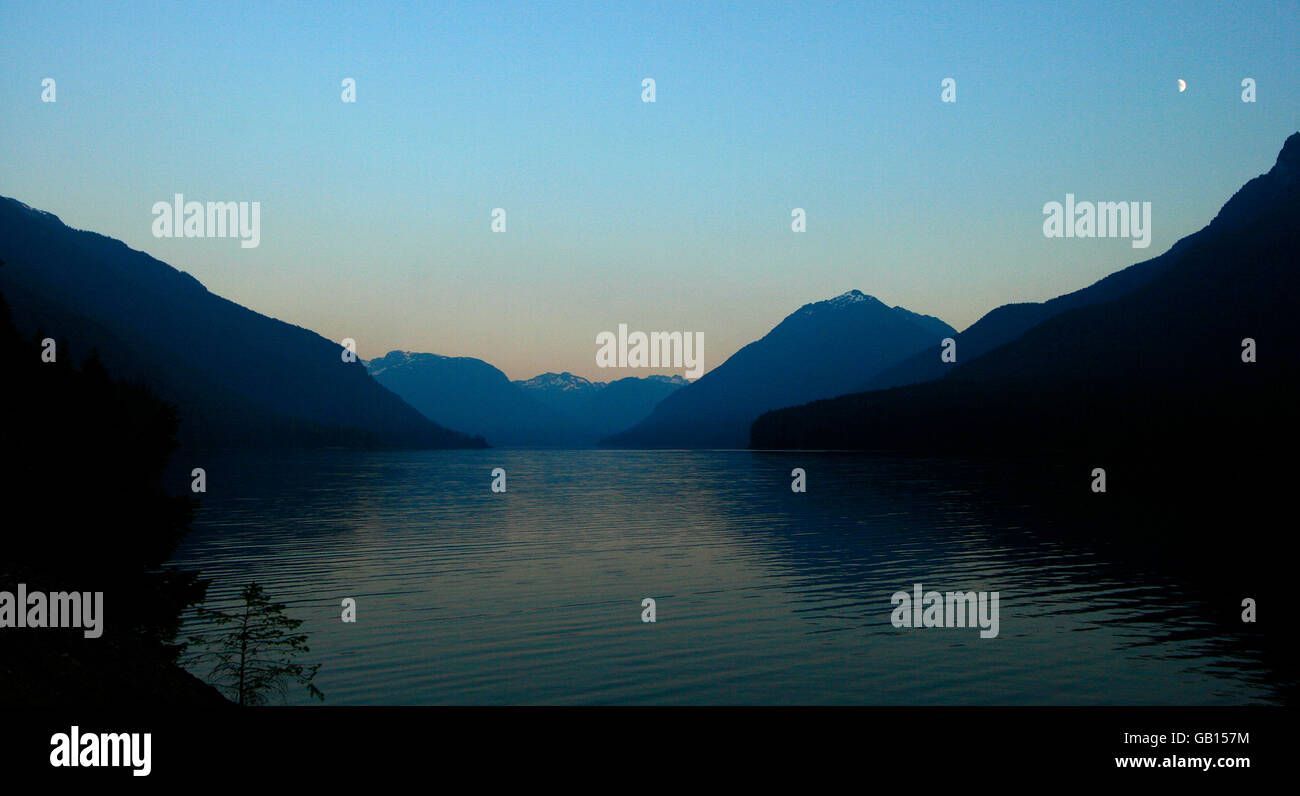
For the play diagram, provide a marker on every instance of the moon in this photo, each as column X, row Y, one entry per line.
column 1182, row 85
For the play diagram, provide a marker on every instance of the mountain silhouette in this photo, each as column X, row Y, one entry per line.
column 240, row 379
column 1157, row 370
column 1009, row 321
column 550, row 410
column 602, row 408
column 821, row 350
column 470, row 393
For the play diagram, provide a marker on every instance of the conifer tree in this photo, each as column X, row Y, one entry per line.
column 252, row 649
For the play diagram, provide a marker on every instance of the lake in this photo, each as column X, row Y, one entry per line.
column 763, row 595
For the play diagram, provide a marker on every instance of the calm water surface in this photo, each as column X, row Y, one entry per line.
column 764, row 596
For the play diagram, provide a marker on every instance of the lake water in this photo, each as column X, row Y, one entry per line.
column 763, row 596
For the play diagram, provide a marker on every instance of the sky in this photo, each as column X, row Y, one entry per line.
column 376, row 215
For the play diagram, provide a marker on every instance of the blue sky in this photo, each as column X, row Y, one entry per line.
column 666, row 216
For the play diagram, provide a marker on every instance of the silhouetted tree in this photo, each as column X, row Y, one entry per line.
column 252, row 650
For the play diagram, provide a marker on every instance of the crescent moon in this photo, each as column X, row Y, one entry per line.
column 1182, row 85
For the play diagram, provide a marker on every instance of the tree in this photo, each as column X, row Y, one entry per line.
column 252, row 650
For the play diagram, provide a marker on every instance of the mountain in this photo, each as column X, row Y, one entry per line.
column 473, row 394
column 550, row 410
column 559, row 384
column 1154, row 378
column 821, row 350
column 1009, row 321
column 602, row 408
column 238, row 377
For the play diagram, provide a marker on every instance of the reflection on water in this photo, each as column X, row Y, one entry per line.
column 764, row 596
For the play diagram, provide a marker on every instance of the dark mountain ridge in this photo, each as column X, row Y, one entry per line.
column 823, row 349
column 240, row 379
column 1009, row 321
column 1147, row 362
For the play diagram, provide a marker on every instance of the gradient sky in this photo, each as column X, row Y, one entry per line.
column 666, row 216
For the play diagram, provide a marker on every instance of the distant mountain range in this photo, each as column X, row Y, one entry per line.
column 550, row 410
column 1146, row 364
column 821, row 350
column 602, row 407
column 238, row 377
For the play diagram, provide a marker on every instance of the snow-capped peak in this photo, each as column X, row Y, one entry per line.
column 560, row 382
column 842, row 300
